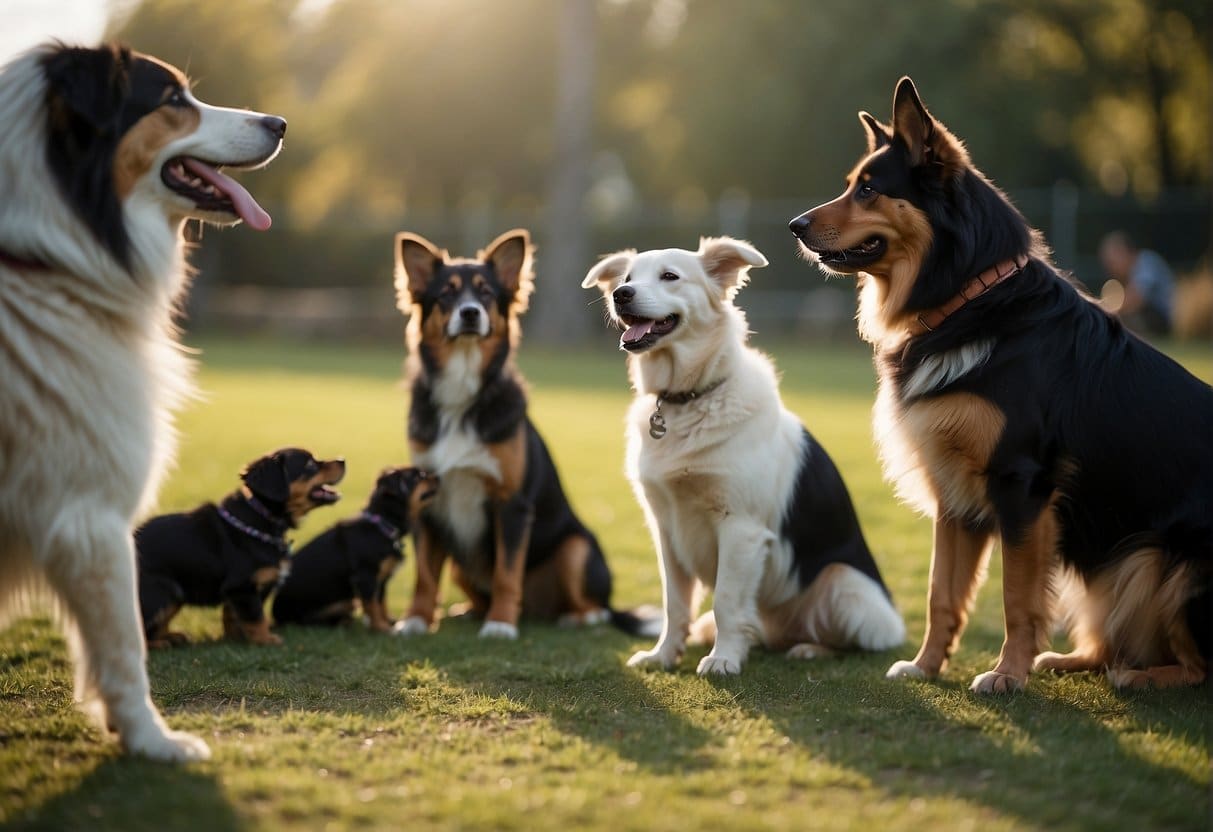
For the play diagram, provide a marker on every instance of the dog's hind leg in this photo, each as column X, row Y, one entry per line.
column 744, row 553
column 957, row 567
column 92, row 570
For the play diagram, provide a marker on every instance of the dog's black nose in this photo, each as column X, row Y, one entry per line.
column 470, row 314
column 275, row 125
column 801, row 224
column 623, row 295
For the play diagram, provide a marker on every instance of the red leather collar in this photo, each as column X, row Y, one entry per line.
column 22, row 263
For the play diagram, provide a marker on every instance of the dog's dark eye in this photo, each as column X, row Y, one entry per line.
column 865, row 191
column 176, row 99
column 668, row 276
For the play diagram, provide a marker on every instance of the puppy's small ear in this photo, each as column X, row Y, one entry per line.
column 417, row 259
column 878, row 134
column 266, row 478
column 609, row 268
column 928, row 141
column 511, row 255
column 728, row 261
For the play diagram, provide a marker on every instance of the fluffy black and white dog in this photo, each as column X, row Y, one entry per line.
column 739, row 497
column 104, row 154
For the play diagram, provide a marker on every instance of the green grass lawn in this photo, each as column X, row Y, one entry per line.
column 345, row 730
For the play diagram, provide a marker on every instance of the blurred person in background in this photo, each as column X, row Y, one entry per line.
column 1143, row 296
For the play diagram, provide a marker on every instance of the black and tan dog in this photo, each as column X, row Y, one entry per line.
column 230, row 553
column 350, row 563
column 1011, row 406
column 501, row 513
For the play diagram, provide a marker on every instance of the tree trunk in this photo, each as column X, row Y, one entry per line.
column 559, row 305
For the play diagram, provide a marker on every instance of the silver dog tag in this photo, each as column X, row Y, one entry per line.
column 656, row 425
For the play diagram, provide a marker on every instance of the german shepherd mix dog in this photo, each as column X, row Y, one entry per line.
column 501, row 513
column 104, row 154
column 1011, row 406
column 350, row 563
column 232, row 553
column 739, row 497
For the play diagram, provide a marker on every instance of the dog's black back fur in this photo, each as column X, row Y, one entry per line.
column 820, row 520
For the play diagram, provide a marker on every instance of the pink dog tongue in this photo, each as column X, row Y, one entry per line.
column 637, row 331
column 248, row 209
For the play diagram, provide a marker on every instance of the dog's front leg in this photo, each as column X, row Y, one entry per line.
column 430, row 559
column 511, row 537
column 677, row 587
column 957, row 562
column 743, row 550
column 1027, row 559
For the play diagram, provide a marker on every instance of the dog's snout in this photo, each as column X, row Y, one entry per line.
column 470, row 314
column 623, row 295
column 801, row 224
column 274, row 124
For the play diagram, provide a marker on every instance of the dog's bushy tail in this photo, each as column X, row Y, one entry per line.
column 644, row 621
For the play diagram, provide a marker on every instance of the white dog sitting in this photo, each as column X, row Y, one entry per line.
column 738, row 495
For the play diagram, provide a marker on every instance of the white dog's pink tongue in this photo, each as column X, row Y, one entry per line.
column 253, row 214
column 637, row 331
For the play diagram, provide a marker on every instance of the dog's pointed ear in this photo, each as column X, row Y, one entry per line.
column 417, row 259
column 511, row 255
column 266, row 478
column 911, row 121
column 928, row 141
column 609, row 268
column 878, row 134
column 728, row 261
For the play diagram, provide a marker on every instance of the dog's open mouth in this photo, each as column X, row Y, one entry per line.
column 324, row 495
column 642, row 333
column 854, row 258
column 212, row 190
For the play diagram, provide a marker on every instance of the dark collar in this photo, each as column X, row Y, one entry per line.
column 259, row 507
column 28, row 264
column 276, row 540
column 666, row 397
column 385, row 528
column 930, row 320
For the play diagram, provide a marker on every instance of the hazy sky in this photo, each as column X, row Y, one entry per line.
column 24, row 23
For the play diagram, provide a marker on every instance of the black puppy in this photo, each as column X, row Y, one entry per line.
column 354, row 558
column 231, row 553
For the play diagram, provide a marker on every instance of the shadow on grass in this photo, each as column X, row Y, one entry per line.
column 129, row 793
column 1067, row 753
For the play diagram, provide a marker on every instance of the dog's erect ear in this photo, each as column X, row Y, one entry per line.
column 511, row 255
column 928, row 141
column 417, row 259
column 609, row 268
column 878, row 134
column 266, row 478
column 911, row 121
column 727, row 261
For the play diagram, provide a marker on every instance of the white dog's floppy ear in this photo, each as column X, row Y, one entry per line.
column 727, row 261
column 609, row 267
column 416, row 261
column 511, row 255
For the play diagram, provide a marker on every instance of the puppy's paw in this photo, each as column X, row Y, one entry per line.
column 653, row 659
column 994, row 682
column 167, row 746
column 590, row 618
column 414, row 625
column 905, row 670
column 499, row 629
column 809, row 651
column 269, row 640
column 718, row 666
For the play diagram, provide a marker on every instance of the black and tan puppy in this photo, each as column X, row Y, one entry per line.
column 352, row 561
column 230, row 553
column 501, row 513
column 1012, row 408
